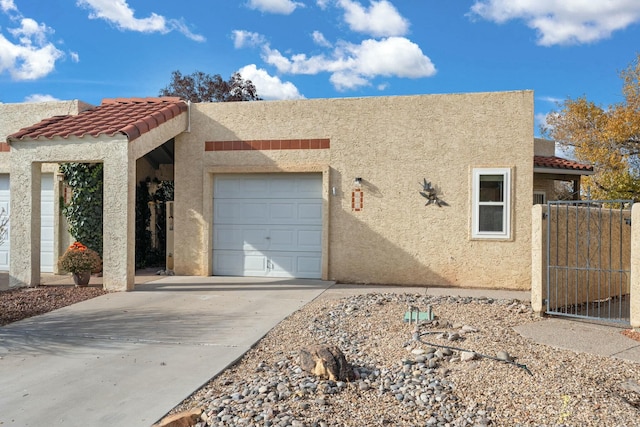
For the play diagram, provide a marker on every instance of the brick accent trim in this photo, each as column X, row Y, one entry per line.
column 268, row 144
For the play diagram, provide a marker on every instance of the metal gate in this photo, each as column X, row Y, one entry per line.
column 588, row 259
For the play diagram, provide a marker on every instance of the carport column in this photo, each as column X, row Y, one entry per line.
column 635, row 267
column 119, row 221
column 24, row 265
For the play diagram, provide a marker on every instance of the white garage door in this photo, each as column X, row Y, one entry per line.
column 268, row 225
column 47, row 211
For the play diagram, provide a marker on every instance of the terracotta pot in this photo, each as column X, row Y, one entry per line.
column 81, row 279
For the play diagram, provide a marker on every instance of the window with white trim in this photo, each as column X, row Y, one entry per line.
column 539, row 197
column 491, row 203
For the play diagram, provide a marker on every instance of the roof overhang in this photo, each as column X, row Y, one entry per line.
column 556, row 171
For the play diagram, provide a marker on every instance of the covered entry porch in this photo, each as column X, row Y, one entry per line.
column 117, row 133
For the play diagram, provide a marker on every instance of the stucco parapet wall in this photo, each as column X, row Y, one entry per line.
column 392, row 143
column 14, row 117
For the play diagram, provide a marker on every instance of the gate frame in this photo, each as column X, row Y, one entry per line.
column 539, row 263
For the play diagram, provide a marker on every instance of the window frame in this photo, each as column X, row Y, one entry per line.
column 505, row 234
column 539, row 193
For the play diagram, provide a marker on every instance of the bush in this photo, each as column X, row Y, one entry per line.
column 78, row 258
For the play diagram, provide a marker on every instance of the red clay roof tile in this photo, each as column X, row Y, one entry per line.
column 554, row 162
column 129, row 116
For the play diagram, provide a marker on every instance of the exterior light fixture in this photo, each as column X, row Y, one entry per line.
column 357, row 181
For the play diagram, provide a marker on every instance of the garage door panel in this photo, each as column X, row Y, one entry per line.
column 268, row 225
column 309, row 186
column 294, row 264
column 282, row 212
column 309, row 266
column 309, row 240
column 46, row 219
column 309, row 212
column 282, row 239
column 255, row 239
column 237, row 237
column 265, row 238
column 255, row 264
column 282, row 264
column 230, row 263
column 242, row 212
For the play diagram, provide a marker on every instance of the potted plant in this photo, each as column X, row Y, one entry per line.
column 81, row 262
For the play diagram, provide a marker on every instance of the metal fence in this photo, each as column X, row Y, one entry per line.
column 589, row 259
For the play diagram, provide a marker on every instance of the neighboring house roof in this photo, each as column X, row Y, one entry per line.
column 129, row 116
column 553, row 164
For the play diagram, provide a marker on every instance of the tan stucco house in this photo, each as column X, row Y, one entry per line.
column 322, row 188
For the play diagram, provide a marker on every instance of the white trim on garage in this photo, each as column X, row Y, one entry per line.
column 268, row 225
column 47, row 223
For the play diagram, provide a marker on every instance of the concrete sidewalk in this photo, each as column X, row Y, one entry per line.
column 126, row 359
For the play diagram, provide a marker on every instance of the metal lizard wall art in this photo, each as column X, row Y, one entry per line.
column 430, row 193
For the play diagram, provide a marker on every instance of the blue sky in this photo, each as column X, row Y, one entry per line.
column 95, row 49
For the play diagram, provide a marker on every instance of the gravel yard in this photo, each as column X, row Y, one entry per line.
column 18, row 304
column 404, row 382
column 400, row 381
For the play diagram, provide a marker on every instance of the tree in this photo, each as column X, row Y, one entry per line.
column 201, row 87
column 608, row 138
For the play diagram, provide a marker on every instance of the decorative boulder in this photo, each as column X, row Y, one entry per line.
column 327, row 363
column 182, row 419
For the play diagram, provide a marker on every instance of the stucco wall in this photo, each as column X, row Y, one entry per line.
column 14, row 117
column 393, row 143
column 548, row 186
column 118, row 216
column 544, row 147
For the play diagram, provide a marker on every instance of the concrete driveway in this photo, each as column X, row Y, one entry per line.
column 125, row 359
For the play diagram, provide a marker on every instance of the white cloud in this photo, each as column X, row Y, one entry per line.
column 550, row 99
column 38, row 97
column 563, row 22
column 354, row 65
column 541, row 120
column 269, row 87
column 381, row 19
column 8, row 6
column 181, row 27
column 121, row 15
column 243, row 38
column 31, row 56
column 283, row 7
column 319, row 39
column 75, row 57
column 322, row 4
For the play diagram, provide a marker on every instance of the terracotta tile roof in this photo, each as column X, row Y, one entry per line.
column 554, row 162
column 129, row 116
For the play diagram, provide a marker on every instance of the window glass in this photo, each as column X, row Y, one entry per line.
column 491, row 218
column 491, row 188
